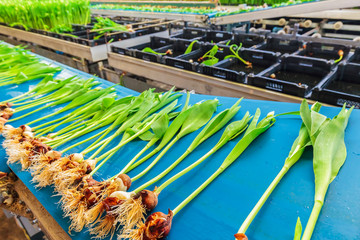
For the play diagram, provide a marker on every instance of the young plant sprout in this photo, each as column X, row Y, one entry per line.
column 298, row 147
column 106, row 25
column 209, row 58
column 158, row 225
column 190, row 47
column 149, row 50
column 329, row 156
column 235, row 50
column 341, row 55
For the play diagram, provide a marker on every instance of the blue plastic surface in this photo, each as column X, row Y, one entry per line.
column 219, row 210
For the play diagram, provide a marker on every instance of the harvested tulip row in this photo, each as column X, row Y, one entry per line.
column 92, row 118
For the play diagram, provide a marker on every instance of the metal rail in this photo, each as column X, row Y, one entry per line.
column 193, row 81
column 344, row 14
column 286, row 11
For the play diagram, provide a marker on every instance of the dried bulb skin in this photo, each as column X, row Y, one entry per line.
column 53, row 155
column 157, row 226
column 2, row 175
column 126, row 180
column 148, row 198
column 240, row 236
column 78, row 157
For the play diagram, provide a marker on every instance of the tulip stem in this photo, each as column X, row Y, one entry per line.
column 198, row 190
column 262, row 200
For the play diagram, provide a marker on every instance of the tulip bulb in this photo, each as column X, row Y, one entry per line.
column 157, row 226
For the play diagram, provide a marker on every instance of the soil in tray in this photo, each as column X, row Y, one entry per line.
column 355, row 61
column 345, row 87
column 243, row 68
column 175, row 53
column 299, row 78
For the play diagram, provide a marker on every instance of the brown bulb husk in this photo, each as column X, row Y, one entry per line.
column 109, row 204
column 240, row 236
column 157, row 226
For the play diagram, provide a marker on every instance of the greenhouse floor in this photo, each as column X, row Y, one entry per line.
column 9, row 229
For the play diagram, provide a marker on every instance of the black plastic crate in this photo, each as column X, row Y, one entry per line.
column 89, row 40
column 246, row 39
column 175, row 48
column 155, row 44
column 235, row 70
column 190, row 34
column 342, row 87
column 217, row 36
column 191, row 61
column 79, row 27
column 326, row 51
column 355, row 58
column 178, row 48
column 295, row 75
column 281, row 45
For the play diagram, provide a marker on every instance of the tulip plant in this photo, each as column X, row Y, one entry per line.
column 158, row 225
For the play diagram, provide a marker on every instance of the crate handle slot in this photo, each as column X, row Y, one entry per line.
column 327, row 48
column 284, row 43
column 306, row 64
column 178, row 65
column 219, row 35
column 258, row 56
column 220, row 74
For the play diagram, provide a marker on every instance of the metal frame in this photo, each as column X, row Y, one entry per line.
column 93, row 54
column 288, row 10
column 194, row 81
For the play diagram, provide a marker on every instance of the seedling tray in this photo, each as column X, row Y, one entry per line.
column 295, row 75
column 233, row 69
column 136, row 51
column 326, row 51
column 178, row 48
column 342, row 87
column 281, row 45
column 190, row 61
column 190, row 34
column 246, row 39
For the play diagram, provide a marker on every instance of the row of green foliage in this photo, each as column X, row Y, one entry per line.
column 254, row 5
column 45, row 14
